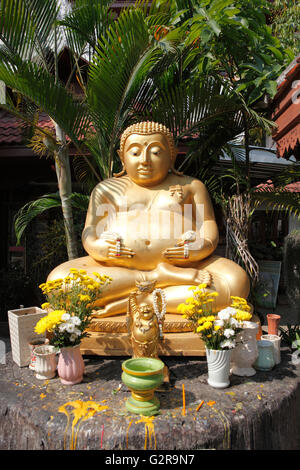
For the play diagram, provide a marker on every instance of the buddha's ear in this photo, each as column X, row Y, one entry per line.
column 117, row 175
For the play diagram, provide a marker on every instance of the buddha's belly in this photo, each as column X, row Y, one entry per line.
column 148, row 235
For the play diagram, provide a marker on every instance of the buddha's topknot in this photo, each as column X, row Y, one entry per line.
column 146, row 128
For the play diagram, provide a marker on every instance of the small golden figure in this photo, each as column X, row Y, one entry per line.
column 144, row 325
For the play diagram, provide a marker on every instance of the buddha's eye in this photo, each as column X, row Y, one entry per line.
column 135, row 151
column 155, row 150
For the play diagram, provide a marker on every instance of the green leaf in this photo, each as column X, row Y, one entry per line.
column 32, row 209
column 271, row 87
column 214, row 26
column 277, row 53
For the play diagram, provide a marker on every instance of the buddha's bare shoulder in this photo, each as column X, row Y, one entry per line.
column 190, row 181
column 112, row 185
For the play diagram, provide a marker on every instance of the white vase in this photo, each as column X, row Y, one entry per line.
column 21, row 330
column 45, row 363
column 218, row 364
column 246, row 351
column 275, row 340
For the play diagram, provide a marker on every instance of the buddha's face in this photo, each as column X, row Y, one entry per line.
column 147, row 158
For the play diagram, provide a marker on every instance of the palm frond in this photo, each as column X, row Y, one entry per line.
column 85, row 171
column 121, row 65
column 32, row 209
column 86, row 23
column 37, row 85
column 277, row 199
column 80, row 201
column 26, row 27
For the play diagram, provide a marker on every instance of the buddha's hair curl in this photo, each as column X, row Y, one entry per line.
column 146, row 128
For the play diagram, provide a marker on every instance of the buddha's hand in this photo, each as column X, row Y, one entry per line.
column 115, row 246
column 184, row 248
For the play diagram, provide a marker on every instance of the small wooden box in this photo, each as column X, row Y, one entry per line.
column 21, row 330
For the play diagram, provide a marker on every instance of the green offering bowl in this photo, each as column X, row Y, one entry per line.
column 143, row 375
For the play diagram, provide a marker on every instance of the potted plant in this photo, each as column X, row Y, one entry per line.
column 217, row 330
column 70, row 305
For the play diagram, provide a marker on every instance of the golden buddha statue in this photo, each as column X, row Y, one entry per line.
column 152, row 223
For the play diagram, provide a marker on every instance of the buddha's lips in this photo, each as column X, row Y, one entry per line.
column 145, row 171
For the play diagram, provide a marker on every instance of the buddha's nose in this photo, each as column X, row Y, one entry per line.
column 145, row 156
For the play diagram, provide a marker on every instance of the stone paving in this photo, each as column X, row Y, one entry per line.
column 259, row 412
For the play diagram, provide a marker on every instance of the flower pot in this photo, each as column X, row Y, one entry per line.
column 265, row 360
column 218, row 364
column 275, row 340
column 45, row 364
column 245, row 353
column 33, row 344
column 21, row 330
column 143, row 376
column 273, row 323
column 70, row 365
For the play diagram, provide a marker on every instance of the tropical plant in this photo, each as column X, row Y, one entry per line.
column 31, row 42
column 285, row 21
column 291, row 269
column 291, row 335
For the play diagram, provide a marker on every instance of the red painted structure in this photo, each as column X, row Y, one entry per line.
column 286, row 112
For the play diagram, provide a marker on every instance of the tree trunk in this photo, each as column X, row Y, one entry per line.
column 63, row 172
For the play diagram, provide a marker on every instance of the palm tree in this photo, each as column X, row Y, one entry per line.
column 31, row 40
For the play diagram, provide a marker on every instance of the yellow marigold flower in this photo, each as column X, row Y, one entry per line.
column 45, row 305
column 91, row 286
column 182, row 308
column 243, row 316
column 192, row 288
column 211, row 318
column 49, row 322
column 200, row 328
column 207, row 325
column 202, row 286
column 240, row 299
column 190, row 300
column 84, row 298
column 217, row 327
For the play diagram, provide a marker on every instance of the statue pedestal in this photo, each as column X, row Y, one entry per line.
column 118, row 344
column 109, row 337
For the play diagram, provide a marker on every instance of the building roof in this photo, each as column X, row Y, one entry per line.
column 269, row 186
column 12, row 130
column 286, row 111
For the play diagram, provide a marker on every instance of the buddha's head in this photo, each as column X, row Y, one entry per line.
column 147, row 153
